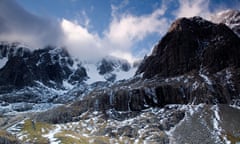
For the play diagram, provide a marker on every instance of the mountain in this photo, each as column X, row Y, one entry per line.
column 186, row 91
column 49, row 66
column 192, row 76
column 181, row 70
column 48, row 74
column 109, row 69
column 231, row 18
column 193, row 44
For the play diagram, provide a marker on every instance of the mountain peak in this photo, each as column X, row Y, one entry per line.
column 191, row 44
column 182, row 24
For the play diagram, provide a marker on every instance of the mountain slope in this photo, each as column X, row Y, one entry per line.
column 196, row 62
column 193, row 44
column 49, row 74
column 49, row 66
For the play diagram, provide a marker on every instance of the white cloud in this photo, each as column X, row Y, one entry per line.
column 118, row 40
column 129, row 28
column 123, row 33
column 190, row 8
column 80, row 42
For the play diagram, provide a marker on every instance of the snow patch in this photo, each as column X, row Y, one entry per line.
column 51, row 135
column 195, row 85
column 218, row 131
column 93, row 74
column 171, row 131
column 72, row 136
column 67, row 85
column 235, row 103
column 3, row 62
column 206, row 79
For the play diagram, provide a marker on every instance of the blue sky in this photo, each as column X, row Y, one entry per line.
column 95, row 28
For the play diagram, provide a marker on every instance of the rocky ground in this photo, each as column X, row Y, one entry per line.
column 172, row 124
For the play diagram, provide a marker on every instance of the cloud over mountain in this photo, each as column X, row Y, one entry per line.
column 16, row 24
column 123, row 33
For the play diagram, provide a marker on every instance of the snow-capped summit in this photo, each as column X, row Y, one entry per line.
column 229, row 17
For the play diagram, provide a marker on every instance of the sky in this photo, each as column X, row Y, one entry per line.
column 91, row 29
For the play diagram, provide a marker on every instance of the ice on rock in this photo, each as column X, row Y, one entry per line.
column 3, row 62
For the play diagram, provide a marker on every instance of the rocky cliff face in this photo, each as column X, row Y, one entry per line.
column 50, row 66
column 193, row 44
column 49, row 74
column 197, row 61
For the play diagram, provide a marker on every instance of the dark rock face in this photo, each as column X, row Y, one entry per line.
column 15, row 73
column 105, row 67
column 109, row 64
column 49, row 66
column 191, row 44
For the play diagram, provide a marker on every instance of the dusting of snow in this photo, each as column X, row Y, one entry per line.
column 34, row 107
column 94, row 75
column 51, row 135
column 121, row 75
column 186, row 81
column 228, row 76
column 56, row 91
column 218, row 131
column 206, row 79
column 171, row 131
column 67, row 85
column 195, row 85
column 72, row 136
column 15, row 129
column 235, row 103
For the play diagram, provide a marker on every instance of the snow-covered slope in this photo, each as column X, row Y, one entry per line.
column 109, row 69
column 229, row 17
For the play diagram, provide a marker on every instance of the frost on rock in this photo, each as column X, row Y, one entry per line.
column 217, row 129
column 235, row 103
column 3, row 61
column 206, row 78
